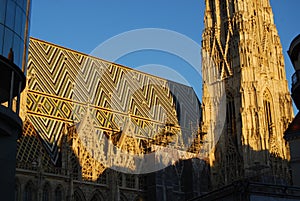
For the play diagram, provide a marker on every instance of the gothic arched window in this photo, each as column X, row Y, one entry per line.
column 78, row 195
column 29, row 193
column 46, row 192
column 97, row 197
column 268, row 113
column 58, row 194
column 230, row 115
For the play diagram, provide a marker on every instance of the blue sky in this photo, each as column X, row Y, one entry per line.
column 85, row 26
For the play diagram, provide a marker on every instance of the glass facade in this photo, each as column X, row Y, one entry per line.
column 14, row 29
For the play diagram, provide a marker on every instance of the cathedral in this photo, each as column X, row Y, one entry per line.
column 94, row 130
column 243, row 62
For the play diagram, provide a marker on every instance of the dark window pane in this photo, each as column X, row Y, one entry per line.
column 16, row 48
column 18, row 20
column 10, row 14
column 8, row 41
column 1, row 38
column 2, row 10
column 23, row 22
column 24, row 5
column 20, row 2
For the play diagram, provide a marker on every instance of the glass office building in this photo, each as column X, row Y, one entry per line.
column 14, row 28
column 14, row 24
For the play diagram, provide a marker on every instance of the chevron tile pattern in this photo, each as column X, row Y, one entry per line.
column 64, row 84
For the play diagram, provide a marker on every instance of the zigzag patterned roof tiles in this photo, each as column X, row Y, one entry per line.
column 62, row 85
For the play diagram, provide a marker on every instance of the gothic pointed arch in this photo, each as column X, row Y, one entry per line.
column 79, row 195
column 268, row 112
column 230, row 115
column 227, row 166
column 46, row 193
column 58, row 193
column 232, row 161
column 97, row 196
column 29, row 192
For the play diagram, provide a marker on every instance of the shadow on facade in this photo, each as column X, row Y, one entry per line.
column 258, row 166
column 38, row 179
column 73, row 178
column 263, row 176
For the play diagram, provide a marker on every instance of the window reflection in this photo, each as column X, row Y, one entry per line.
column 18, row 20
column 16, row 50
column 8, row 41
column 24, row 4
column 10, row 14
column 2, row 11
column 12, row 29
column 1, row 38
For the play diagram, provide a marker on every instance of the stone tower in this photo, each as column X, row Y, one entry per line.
column 246, row 102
